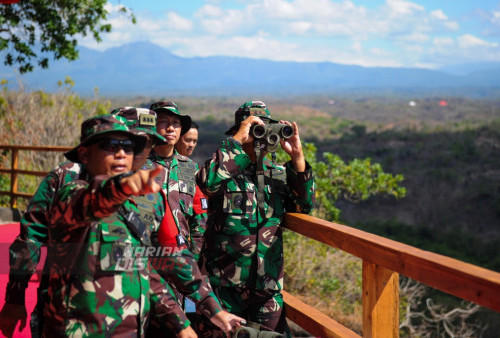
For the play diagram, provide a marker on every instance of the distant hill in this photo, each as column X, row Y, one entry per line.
column 143, row 68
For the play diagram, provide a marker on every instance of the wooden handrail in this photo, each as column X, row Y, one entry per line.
column 316, row 322
column 383, row 259
column 14, row 170
column 458, row 278
column 37, row 148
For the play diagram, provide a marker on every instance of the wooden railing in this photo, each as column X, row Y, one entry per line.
column 14, row 170
column 383, row 261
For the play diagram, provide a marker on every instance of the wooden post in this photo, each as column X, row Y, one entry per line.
column 380, row 301
column 13, row 177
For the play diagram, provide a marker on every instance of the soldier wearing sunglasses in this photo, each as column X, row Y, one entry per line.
column 25, row 251
column 91, row 226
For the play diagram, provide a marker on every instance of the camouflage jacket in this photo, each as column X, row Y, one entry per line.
column 241, row 248
column 25, row 250
column 179, row 189
column 100, row 283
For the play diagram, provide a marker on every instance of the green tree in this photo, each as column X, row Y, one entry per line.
column 31, row 31
column 354, row 181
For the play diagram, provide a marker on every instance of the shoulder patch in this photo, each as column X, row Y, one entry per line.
column 204, row 203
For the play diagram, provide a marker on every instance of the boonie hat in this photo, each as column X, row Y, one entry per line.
column 96, row 126
column 251, row 108
column 173, row 109
column 140, row 121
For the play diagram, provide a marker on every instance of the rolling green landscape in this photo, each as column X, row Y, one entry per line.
column 445, row 150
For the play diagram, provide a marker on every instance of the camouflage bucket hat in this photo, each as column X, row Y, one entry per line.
column 171, row 108
column 96, row 126
column 252, row 108
column 140, row 121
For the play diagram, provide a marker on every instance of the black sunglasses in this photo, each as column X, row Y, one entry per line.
column 114, row 145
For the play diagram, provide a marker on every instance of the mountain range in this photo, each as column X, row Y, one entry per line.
column 143, row 68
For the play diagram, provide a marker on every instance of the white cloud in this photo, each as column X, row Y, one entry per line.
column 179, row 23
column 401, row 7
column 110, row 8
column 443, row 42
column 210, row 11
column 438, row 14
column 217, row 21
column 396, row 32
column 415, row 38
column 251, row 47
column 470, row 41
column 452, row 25
column 299, row 27
column 357, row 46
column 496, row 16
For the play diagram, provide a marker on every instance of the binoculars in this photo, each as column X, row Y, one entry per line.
column 270, row 134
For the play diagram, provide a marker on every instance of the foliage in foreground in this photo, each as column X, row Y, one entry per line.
column 353, row 181
column 35, row 30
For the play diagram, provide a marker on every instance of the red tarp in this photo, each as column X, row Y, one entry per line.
column 8, row 232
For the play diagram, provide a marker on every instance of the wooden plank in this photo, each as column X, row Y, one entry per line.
column 458, row 278
column 24, row 172
column 35, row 148
column 13, row 177
column 312, row 320
column 19, row 194
column 380, row 299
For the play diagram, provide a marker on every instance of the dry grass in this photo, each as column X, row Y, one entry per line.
column 40, row 119
column 324, row 277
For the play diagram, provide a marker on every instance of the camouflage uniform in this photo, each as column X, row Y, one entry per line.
column 177, row 180
column 181, row 269
column 25, row 250
column 97, row 285
column 243, row 251
column 180, row 188
column 34, row 230
column 180, row 185
column 200, row 207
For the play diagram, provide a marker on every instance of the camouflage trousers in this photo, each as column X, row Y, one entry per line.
column 258, row 306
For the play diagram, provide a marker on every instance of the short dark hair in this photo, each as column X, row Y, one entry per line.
column 194, row 125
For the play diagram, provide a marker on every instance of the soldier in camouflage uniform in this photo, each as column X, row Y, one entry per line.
column 180, row 269
column 99, row 283
column 178, row 184
column 25, row 250
column 243, row 248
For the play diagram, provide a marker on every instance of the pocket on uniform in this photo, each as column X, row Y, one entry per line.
column 116, row 249
column 187, row 187
column 186, row 204
column 238, row 202
column 229, row 270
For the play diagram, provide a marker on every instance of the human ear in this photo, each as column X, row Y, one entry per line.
column 83, row 155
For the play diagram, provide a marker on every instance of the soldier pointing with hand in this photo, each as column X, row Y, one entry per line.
column 92, row 226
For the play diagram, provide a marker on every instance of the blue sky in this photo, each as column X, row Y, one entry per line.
column 394, row 33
